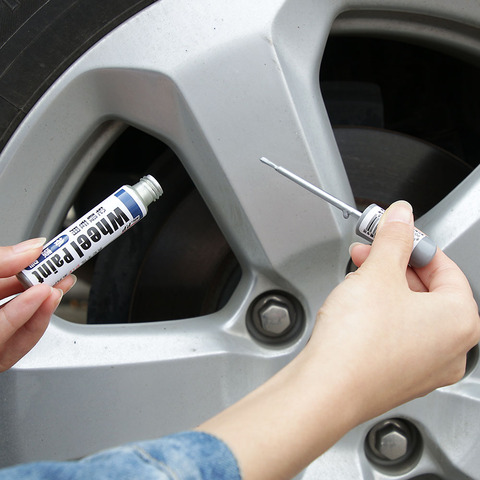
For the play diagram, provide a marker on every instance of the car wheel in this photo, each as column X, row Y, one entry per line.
column 195, row 93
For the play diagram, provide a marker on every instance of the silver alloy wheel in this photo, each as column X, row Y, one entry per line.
column 222, row 86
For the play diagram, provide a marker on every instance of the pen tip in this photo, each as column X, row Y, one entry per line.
column 266, row 161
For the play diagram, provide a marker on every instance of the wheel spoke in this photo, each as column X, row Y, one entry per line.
column 236, row 104
column 455, row 225
column 449, row 440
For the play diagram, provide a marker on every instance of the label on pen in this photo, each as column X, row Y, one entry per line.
column 85, row 238
column 368, row 224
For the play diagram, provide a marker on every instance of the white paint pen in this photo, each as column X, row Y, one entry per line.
column 91, row 233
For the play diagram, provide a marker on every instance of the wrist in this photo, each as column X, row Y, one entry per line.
column 281, row 427
column 330, row 387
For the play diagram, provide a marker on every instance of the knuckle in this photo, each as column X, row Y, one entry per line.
column 467, row 321
column 458, row 372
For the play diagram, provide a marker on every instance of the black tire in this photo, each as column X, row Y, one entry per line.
column 40, row 39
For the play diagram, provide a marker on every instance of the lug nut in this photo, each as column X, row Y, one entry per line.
column 275, row 317
column 393, row 443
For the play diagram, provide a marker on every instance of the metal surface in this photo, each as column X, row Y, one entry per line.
column 275, row 318
column 222, row 84
column 392, row 444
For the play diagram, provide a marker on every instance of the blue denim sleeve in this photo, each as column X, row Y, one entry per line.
column 183, row 456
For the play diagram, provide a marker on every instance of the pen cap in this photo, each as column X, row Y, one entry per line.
column 423, row 252
column 148, row 189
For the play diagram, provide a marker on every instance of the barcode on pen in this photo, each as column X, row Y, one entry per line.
column 369, row 224
column 370, row 229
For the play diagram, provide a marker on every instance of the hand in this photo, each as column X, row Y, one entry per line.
column 24, row 319
column 403, row 332
column 385, row 335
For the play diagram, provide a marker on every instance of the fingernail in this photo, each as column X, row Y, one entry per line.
column 59, row 292
column 29, row 245
column 352, row 246
column 73, row 280
column 74, row 277
column 400, row 211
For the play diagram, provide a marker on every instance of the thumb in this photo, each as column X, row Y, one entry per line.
column 393, row 241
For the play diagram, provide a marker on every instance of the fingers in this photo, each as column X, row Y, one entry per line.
column 15, row 258
column 392, row 249
column 10, row 286
column 24, row 320
column 443, row 274
column 19, row 310
column 359, row 253
column 66, row 283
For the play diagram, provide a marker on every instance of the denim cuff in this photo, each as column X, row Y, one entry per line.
column 198, row 455
column 188, row 455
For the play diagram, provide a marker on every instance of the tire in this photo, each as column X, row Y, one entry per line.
column 39, row 39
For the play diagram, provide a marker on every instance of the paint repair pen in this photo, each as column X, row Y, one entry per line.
column 423, row 247
column 92, row 232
